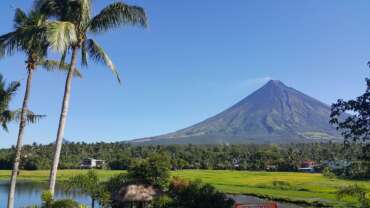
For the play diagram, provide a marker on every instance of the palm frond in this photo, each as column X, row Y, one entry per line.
column 50, row 7
column 12, row 88
column 117, row 14
column 63, row 58
column 9, row 43
column 84, row 55
column 52, row 65
column 98, row 55
column 20, row 18
column 31, row 117
column 85, row 12
column 5, row 118
column 61, row 35
column 29, row 34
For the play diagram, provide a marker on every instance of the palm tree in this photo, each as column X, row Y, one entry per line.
column 30, row 37
column 78, row 12
column 6, row 94
column 90, row 184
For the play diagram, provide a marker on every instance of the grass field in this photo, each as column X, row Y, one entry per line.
column 292, row 187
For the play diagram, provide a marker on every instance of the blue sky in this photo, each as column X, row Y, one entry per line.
column 195, row 59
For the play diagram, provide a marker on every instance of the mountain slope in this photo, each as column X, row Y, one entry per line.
column 273, row 114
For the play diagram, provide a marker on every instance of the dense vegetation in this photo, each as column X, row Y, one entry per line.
column 241, row 157
column 294, row 187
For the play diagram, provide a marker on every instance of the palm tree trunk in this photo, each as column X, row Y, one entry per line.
column 62, row 121
column 18, row 151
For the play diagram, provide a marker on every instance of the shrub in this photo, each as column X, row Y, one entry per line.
column 328, row 173
column 282, row 185
column 154, row 170
column 197, row 195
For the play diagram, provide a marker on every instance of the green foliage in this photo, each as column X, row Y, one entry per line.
column 328, row 173
column 90, row 184
column 359, row 193
column 65, row 203
column 283, row 185
column 162, row 202
column 75, row 22
column 154, row 170
column 6, row 95
column 354, row 126
column 47, row 199
column 197, row 195
column 48, row 202
column 115, row 183
column 119, row 156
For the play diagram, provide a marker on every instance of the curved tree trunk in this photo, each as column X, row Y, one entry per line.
column 62, row 121
column 18, row 151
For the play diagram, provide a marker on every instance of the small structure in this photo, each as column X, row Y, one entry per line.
column 271, row 168
column 92, row 163
column 307, row 166
column 337, row 164
column 137, row 195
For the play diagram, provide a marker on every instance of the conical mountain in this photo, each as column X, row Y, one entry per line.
column 274, row 113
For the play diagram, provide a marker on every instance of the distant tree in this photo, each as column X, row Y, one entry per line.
column 154, row 170
column 355, row 127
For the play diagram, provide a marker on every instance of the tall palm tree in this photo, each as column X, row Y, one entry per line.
column 78, row 12
column 30, row 37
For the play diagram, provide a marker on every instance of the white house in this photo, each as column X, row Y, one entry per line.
column 92, row 163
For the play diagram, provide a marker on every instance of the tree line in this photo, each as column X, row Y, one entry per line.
column 119, row 156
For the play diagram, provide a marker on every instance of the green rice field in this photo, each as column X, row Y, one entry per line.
column 303, row 188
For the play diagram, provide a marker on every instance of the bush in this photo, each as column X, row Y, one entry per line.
column 186, row 194
column 283, row 185
column 162, row 202
column 328, row 173
column 48, row 202
column 155, row 170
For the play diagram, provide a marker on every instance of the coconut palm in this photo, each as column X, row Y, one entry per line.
column 78, row 12
column 30, row 37
column 6, row 95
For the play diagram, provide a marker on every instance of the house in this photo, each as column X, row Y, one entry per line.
column 92, row 163
column 337, row 164
column 307, row 166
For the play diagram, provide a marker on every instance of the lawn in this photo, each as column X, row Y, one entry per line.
column 294, row 187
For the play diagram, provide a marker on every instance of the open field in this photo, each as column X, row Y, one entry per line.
column 292, row 187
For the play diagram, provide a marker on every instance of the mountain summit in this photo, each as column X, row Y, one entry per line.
column 275, row 113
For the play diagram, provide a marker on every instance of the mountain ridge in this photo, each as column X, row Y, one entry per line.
column 275, row 113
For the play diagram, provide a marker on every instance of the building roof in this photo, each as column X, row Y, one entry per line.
column 137, row 193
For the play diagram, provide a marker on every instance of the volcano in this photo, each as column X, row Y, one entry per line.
column 275, row 113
